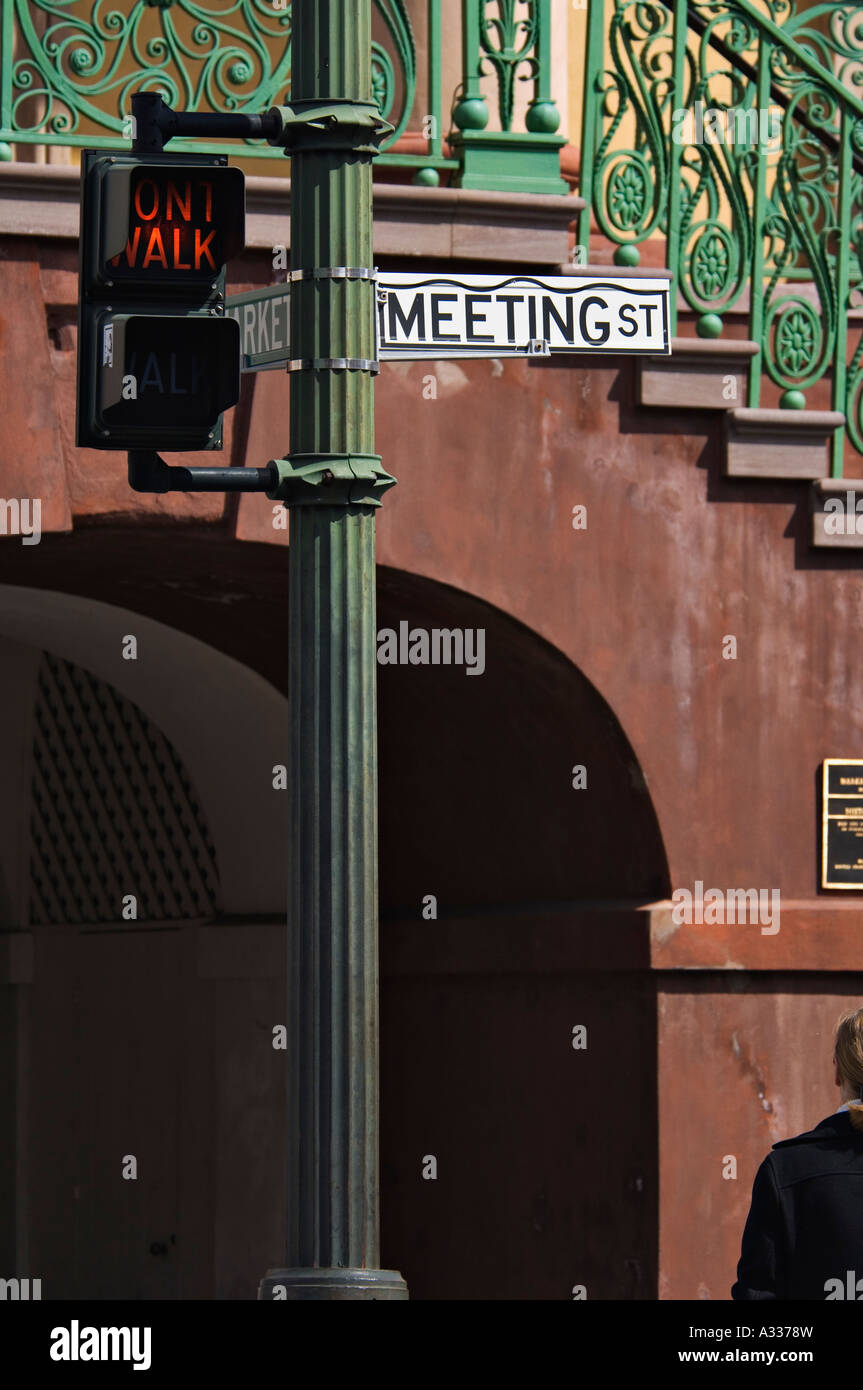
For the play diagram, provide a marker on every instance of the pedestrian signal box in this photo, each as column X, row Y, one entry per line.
column 158, row 362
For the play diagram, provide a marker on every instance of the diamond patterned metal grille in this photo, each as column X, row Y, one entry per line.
column 113, row 810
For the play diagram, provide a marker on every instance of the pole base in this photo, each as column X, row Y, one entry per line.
column 326, row 1284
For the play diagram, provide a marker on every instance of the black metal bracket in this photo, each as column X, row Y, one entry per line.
column 347, row 125
column 154, row 123
column 148, row 472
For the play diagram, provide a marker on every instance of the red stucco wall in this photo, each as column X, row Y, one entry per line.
column 491, row 458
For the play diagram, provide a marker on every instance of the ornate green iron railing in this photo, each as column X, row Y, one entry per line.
column 735, row 131
column 68, row 69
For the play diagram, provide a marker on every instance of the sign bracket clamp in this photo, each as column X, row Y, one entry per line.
column 148, row 472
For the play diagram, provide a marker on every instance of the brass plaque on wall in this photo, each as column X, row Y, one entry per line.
column 842, row 824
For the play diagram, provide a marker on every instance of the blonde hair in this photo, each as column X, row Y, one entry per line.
column 849, row 1057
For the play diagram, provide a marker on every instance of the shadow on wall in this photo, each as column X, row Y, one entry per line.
column 514, row 1164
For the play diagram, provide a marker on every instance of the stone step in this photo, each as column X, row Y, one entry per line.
column 790, row 444
column 836, row 511
column 700, row 374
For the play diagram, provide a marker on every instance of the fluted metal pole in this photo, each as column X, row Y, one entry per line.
column 333, row 482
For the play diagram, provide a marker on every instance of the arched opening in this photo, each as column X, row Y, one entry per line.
column 546, row 1162
column 543, row 1157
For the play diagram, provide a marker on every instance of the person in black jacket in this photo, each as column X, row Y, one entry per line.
column 804, row 1233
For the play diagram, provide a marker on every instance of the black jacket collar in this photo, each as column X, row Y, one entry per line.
column 837, row 1126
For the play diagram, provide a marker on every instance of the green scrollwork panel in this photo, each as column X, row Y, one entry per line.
column 77, row 64
column 633, row 92
column 804, row 332
column 853, row 405
column 854, row 399
column 69, row 67
column 716, row 172
column 744, row 146
column 394, row 67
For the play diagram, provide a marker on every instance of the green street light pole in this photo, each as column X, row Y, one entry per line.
column 333, row 482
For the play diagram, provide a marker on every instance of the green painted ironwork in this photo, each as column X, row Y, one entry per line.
column 735, row 130
column 68, row 69
column 509, row 40
column 395, row 16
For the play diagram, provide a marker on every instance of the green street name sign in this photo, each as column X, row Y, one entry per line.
column 264, row 317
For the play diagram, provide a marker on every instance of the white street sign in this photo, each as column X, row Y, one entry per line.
column 496, row 316
column 434, row 316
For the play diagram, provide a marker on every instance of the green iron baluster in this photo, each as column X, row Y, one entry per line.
column 591, row 100
column 6, row 52
column 542, row 115
column 759, row 204
column 429, row 176
column 675, row 189
column 435, row 77
column 843, row 286
column 630, row 185
column 471, row 110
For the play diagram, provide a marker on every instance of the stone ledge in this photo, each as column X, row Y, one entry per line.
column 599, row 269
column 472, row 224
column 525, row 228
column 836, row 527
column 790, row 444
column 814, row 934
column 696, row 375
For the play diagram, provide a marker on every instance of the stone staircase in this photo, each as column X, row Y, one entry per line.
column 780, row 445
column 768, row 444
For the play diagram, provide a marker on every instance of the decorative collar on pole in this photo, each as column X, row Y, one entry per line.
column 331, row 125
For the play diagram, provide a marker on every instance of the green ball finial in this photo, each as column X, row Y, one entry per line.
column 709, row 326
column 471, row 114
column 542, row 118
column 5, row 152
column 792, row 400
column 627, row 255
column 426, row 178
